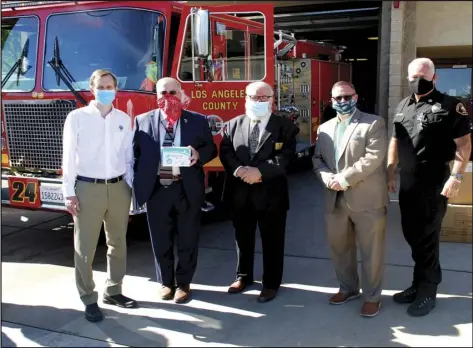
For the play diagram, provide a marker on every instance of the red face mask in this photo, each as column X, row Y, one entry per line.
column 172, row 107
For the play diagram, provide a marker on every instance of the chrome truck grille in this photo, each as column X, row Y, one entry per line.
column 34, row 132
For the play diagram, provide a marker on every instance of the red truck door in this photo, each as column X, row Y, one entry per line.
column 239, row 51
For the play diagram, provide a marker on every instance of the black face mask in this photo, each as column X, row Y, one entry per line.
column 421, row 86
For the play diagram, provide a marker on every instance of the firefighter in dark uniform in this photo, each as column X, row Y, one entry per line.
column 430, row 130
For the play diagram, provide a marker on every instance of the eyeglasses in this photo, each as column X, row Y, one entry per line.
column 166, row 92
column 262, row 98
column 343, row 97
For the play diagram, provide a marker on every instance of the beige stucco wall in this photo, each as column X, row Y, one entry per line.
column 402, row 51
column 443, row 23
column 428, row 24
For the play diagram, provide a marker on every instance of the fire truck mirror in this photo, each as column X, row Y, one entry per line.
column 201, row 32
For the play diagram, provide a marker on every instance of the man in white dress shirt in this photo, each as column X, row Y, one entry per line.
column 97, row 179
column 255, row 151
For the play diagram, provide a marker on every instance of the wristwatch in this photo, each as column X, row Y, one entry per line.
column 457, row 176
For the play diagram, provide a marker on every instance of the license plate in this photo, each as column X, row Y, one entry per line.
column 51, row 194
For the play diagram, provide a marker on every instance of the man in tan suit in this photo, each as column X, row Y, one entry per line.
column 348, row 159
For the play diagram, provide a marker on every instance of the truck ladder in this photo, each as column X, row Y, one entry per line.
column 283, row 36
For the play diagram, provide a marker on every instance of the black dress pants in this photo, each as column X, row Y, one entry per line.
column 168, row 212
column 272, row 226
column 422, row 211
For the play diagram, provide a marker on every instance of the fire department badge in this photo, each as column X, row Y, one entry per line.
column 436, row 107
column 461, row 109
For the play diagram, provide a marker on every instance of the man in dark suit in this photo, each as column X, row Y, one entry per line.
column 173, row 195
column 255, row 151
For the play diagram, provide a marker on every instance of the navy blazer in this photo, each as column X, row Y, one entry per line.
column 195, row 131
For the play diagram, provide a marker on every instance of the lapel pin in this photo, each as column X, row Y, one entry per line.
column 185, row 120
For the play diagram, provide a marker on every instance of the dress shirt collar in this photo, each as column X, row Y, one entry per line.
column 163, row 114
column 93, row 107
column 345, row 119
column 263, row 121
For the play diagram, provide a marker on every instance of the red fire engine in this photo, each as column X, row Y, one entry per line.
column 50, row 48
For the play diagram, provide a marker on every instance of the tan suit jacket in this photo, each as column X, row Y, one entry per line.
column 361, row 161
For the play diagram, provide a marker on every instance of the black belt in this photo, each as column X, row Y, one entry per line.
column 100, row 181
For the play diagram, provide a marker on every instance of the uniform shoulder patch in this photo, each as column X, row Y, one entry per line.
column 461, row 109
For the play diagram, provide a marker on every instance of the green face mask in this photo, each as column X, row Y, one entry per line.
column 152, row 72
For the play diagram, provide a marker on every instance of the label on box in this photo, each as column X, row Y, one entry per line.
column 175, row 156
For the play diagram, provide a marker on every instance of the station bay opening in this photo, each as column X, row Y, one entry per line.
column 352, row 27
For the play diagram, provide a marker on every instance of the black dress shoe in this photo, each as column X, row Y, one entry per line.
column 120, row 301
column 407, row 296
column 422, row 306
column 267, row 295
column 93, row 313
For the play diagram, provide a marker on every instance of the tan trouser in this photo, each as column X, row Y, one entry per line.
column 111, row 204
column 346, row 227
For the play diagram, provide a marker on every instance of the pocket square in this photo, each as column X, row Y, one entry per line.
column 278, row 146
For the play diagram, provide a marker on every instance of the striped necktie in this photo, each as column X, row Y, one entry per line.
column 254, row 138
column 166, row 172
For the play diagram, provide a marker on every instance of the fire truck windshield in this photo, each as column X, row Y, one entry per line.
column 19, row 53
column 128, row 42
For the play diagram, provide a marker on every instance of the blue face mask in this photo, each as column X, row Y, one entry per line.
column 344, row 108
column 105, row 96
column 257, row 109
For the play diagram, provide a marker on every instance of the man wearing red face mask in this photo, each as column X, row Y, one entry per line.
column 173, row 195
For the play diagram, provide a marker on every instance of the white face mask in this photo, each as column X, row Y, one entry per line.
column 257, row 110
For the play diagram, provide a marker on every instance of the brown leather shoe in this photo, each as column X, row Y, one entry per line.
column 370, row 309
column 267, row 295
column 182, row 293
column 341, row 298
column 237, row 286
column 167, row 293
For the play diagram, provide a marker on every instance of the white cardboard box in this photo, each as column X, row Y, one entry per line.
column 175, row 156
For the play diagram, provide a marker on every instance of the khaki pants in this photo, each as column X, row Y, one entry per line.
column 344, row 229
column 111, row 204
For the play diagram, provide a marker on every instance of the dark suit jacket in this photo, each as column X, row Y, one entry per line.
column 195, row 132
column 275, row 151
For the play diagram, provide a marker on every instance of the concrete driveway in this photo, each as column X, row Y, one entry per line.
column 40, row 305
